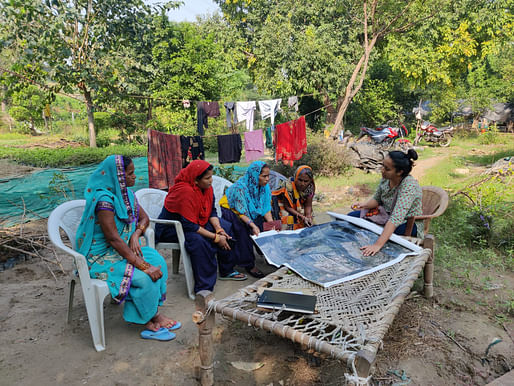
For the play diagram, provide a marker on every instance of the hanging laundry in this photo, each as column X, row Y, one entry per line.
column 192, row 148
column 269, row 138
column 245, row 112
column 292, row 103
column 269, row 109
column 254, row 145
column 164, row 159
column 212, row 109
column 290, row 141
column 186, row 103
column 204, row 110
column 229, row 108
column 229, row 148
column 201, row 117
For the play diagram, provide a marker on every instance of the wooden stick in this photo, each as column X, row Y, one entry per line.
column 454, row 341
column 29, row 253
column 23, row 216
column 52, row 272
column 428, row 272
column 205, row 323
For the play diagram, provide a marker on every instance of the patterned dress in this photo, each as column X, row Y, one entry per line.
column 107, row 190
column 408, row 201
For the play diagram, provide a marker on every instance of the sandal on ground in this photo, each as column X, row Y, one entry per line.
column 255, row 273
column 176, row 325
column 162, row 334
column 237, row 276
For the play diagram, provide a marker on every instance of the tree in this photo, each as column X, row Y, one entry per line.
column 191, row 61
column 27, row 106
column 324, row 46
column 76, row 41
column 465, row 53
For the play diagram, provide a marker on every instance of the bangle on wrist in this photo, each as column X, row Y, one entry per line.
column 143, row 266
column 249, row 222
column 219, row 231
column 216, row 238
column 141, row 227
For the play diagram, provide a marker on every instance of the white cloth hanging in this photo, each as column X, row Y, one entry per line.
column 292, row 103
column 269, row 109
column 245, row 112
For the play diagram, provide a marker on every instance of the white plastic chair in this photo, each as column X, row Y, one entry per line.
column 274, row 179
column 67, row 217
column 152, row 201
column 219, row 184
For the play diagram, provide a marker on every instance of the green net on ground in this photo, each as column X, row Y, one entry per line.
column 35, row 195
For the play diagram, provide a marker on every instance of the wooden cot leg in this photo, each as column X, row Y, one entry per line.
column 428, row 273
column 175, row 260
column 205, row 325
column 363, row 361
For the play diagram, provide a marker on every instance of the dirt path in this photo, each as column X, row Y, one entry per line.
column 422, row 165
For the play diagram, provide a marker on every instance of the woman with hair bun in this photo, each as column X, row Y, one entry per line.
column 399, row 194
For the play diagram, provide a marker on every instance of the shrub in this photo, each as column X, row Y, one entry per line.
column 490, row 136
column 102, row 121
column 69, row 156
column 325, row 156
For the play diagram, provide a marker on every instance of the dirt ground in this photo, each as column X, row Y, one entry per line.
column 440, row 341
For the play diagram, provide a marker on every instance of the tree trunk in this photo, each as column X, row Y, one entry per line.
column 45, row 119
column 90, row 117
column 352, row 89
column 331, row 111
column 149, row 113
column 33, row 127
column 3, row 102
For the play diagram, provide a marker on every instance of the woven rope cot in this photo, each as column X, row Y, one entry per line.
column 350, row 322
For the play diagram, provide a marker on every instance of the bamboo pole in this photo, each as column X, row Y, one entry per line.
column 205, row 323
column 428, row 273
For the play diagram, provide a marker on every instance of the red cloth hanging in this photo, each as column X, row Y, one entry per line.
column 164, row 159
column 290, row 141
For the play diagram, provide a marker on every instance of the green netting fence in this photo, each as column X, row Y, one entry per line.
column 35, row 195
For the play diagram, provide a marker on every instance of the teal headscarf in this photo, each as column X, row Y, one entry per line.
column 108, row 183
column 247, row 197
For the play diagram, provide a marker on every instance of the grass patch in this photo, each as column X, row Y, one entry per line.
column 488, row 159
column 443, row 174
column 69, row 156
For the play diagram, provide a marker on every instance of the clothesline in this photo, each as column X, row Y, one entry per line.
column 304, row 115
column 181, row 100
column 322, row 107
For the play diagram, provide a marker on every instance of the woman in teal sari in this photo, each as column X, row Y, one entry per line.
column 108, row 236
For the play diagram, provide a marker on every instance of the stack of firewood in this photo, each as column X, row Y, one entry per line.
column 17, row 245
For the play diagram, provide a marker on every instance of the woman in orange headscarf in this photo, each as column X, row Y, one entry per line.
column 191, row 201
column 293, row 196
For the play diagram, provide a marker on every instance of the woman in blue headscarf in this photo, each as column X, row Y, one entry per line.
column 247, row 204
column 108, row 236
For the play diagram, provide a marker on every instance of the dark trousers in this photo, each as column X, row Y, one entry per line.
column 202, row 252
column 400, row 229
column 243, row 248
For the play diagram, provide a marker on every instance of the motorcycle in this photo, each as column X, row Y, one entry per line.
column 386, row 135
column 430, row 133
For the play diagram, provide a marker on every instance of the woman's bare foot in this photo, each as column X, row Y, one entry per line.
column 163, row 321
column 152, row 326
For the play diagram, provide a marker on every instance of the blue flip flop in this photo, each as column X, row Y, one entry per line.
column 233, row 275
column 176, row 326
column 161, row 334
